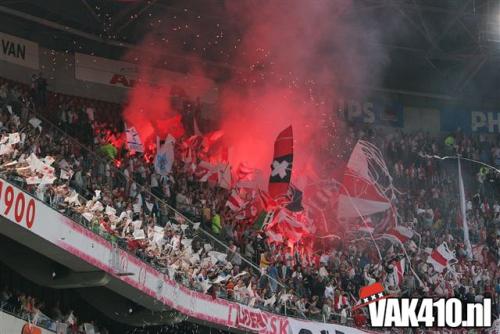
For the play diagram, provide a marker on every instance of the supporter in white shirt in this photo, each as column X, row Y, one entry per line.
column 154, row 180
column 40, row 192
column 133, row 190
column 78, row 178
column 329, row 290
column 343, row 316
column 324, row 259
column 90, row 113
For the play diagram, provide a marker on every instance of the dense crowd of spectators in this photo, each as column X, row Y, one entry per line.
column 133, row 206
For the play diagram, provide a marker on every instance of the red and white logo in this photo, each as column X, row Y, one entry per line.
column 388, row 311
column 371, row 294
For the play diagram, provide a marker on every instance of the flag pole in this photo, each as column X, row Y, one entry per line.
column 462, row 192
column 465, row 226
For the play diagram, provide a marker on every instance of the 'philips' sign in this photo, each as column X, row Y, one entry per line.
column 482, row 121
column 470, row 121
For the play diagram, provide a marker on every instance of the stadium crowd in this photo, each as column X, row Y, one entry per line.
column 127, row 202
column 36, row 312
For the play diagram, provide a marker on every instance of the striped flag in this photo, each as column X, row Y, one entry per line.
column 235, row 202
column 387, row 222
column 367, row 226
column 441, row 257
column 360, row 194
column 399, row 267
column 401, row 233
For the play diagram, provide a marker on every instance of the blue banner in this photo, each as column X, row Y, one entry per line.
column 470, row 121
column 380, row 112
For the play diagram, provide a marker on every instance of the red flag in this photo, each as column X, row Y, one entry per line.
column 441, row 257
column 360, row 194
column 387, row 222
column 268, row 202
column 399, row 267
column 205, row 171
column 281, row 168
column 189, row 148
column 289, row 224
column 401, row 233
column 210, row 139
column 243, row 171
column 235, row 202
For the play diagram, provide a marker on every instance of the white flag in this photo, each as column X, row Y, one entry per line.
column 97, row 207
column 72, row 198
column 14, row 138
column 48, row 179
column 33, row 180
column 5, row 149
column 35, row 122
column 66, row 174
column 88, row 216
column 137, row 224
column 139, row 235
column 164, row 156
column 133, row 140
column 110, row 211
column 48, row 160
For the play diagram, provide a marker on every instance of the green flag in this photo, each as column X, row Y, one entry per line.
column 263, row 219
column 109, row 150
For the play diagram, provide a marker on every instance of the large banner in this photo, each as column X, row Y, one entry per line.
column 470, row 121
column 19, row 51
column 309, row 327
column 125, row 75
column 380, row 112
column 255, row 320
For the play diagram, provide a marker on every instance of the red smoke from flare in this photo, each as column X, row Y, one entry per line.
column 150, row 112
column 290, row 59
column 149, row 107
